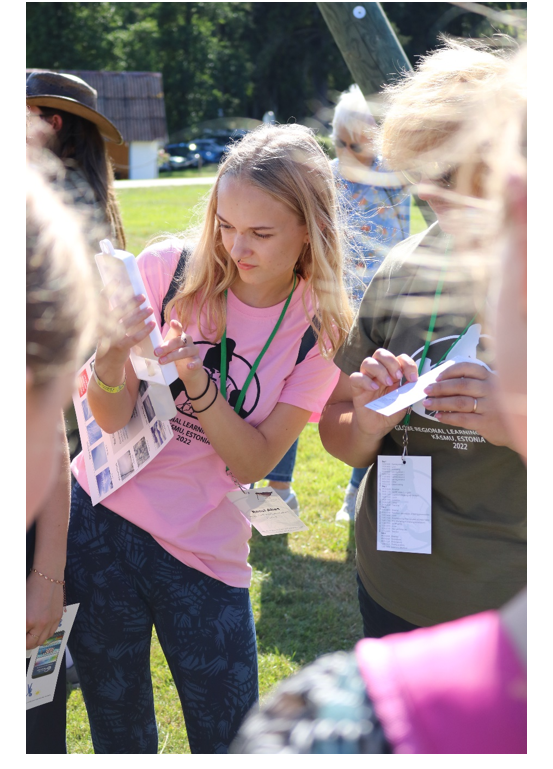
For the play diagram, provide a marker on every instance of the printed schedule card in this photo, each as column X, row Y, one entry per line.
column 404, row 509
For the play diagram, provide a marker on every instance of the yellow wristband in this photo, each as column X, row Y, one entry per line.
column 106, row 388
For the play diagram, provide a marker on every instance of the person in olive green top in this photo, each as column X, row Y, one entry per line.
column 478, row 558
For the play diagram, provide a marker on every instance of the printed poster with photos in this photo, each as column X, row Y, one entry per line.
column 113, row 459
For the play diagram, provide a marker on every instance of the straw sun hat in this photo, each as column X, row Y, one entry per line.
column 71, row 94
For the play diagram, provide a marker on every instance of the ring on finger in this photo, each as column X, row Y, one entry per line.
column 34, row 636
column 475, row 406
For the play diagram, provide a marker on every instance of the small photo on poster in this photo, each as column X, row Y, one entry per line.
column 104, row 482
column 143, row 386
column 82, row 383
column 125, row 465
column 158, row 433
column 150, row 413
column 141, row 451
column 99, row 456
column 94, row 432
column 86, row 410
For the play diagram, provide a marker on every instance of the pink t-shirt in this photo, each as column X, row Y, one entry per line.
column 453, row 688
column 180, row 497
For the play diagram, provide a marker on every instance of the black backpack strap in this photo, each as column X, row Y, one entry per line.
column 308, row 341
column 175, row 281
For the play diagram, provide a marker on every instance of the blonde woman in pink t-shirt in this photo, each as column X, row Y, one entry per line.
column 169, row 548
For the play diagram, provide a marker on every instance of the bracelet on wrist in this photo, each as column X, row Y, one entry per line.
column 200, row 411
column 54, row 581
column 106, row 388
column 197, row 398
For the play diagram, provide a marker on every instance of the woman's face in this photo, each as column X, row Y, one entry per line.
column 448, row 190
column 45, row 438
column 355, row 153
column 263, row 237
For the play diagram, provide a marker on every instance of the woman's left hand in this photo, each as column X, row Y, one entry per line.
column 44, row 609
column 465, row 395
column 178, row 348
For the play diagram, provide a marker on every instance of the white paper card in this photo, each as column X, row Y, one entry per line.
column 45, row 662
column 413, row 392
column 266, row 511
column 112, row 459
column 404, row 510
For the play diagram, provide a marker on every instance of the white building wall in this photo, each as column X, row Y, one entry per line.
column 143, row 160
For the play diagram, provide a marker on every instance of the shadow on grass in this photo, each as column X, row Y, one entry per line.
column 308, row 605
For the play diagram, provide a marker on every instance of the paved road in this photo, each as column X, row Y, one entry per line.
column 127, row 184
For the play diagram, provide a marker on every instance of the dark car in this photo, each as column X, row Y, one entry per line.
column 209, row 150
column 177, row 162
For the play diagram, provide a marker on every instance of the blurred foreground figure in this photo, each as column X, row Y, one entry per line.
column 459, row 687
column 61, row 318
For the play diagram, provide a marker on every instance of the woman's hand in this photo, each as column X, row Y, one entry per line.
column 379, row 375
column 465, row 395
column 179, row 349
column 44, row 609
column 129, row 326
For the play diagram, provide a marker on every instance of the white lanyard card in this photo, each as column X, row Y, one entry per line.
column 404, row 510
column 266, row 511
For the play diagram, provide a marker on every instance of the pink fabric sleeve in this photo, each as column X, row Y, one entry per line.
column 311, row 383
column 453, row 688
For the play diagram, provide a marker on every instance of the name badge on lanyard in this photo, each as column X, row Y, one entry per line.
column 404, row 509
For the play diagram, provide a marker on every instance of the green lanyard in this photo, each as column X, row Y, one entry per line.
column 255, row 366
column 431, row 325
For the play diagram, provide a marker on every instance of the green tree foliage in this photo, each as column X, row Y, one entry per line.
column 418, row 25
column 232, row 59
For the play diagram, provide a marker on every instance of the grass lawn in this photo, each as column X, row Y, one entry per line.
column 303, row 588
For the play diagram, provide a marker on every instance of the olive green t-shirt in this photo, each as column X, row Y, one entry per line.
column 478, row 558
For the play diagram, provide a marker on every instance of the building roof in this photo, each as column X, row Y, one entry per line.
column 133, row 101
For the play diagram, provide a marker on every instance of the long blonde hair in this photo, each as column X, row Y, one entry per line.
column 287, row 163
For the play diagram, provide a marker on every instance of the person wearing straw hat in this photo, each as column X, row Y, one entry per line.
column 69, row 106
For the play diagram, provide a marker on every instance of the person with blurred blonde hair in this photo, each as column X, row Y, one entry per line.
column 61, row 324
column 422, row 309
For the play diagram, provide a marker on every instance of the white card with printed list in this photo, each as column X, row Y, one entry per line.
column 404, row 509
column 45, row 662
column 266, row 511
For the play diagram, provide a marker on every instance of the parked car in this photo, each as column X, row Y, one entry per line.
column 209, row 150
column 188, row 159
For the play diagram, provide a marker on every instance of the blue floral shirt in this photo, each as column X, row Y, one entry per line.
column 377, row 219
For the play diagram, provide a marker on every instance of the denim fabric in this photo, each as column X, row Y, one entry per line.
column 126, row 583
column 285, row 468
column 357, row 475
column 378, row 621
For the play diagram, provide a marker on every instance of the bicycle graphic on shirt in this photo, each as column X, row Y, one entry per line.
column 212, row 363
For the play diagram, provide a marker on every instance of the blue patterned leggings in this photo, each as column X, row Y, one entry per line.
column 126, row 583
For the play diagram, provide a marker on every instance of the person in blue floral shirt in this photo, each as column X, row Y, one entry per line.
column 377, row 208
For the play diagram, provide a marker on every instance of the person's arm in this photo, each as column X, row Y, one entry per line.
column 348, row 430
column 45, row 598
column 112, row 411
